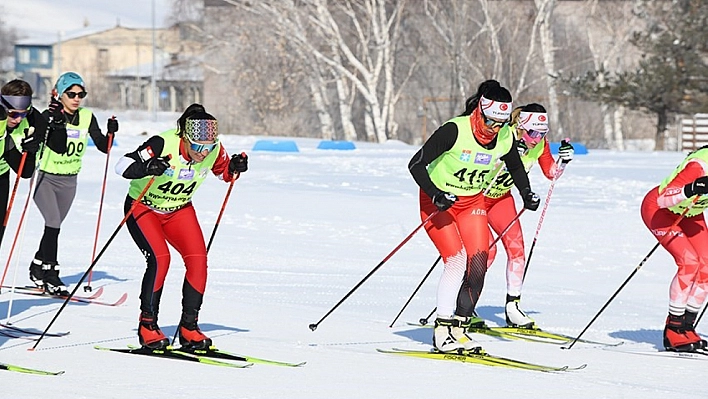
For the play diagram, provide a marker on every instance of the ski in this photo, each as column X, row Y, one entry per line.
column 37, row 290
column 539, row 335
column 16, row 329
column 18, row 369
column 75, row 299
column 480, row 357
column 700, row 354
column 527, row 334
column 171, row 353
column 215, row 353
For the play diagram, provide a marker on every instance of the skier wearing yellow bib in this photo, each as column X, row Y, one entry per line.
column 70, row 126
column 178, row 160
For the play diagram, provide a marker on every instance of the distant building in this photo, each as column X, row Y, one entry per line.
column 117, row 65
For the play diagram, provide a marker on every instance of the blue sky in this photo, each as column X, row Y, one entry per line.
column 37, row 18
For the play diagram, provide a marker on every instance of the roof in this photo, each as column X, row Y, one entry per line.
column 50, row 40
column 166, row 70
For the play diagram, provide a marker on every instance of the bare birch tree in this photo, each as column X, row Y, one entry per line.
column 357, row 41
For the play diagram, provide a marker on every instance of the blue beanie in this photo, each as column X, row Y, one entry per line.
column 67, row 80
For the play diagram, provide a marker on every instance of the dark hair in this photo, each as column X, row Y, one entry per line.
column 533, row 107
column 16, row 87
column 490, row 89
column 190, row 111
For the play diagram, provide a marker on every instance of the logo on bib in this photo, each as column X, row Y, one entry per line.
column 466, row 155
column 482, row 158
column 185, row 174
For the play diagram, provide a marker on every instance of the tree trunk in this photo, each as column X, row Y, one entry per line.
column 547, row 48
column 661, row 122
column 619, row 134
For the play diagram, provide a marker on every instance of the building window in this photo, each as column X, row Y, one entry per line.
column 43, row 56
column 23, row 55
column 102, row 59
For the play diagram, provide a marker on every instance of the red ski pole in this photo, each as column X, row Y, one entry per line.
column 100, row 208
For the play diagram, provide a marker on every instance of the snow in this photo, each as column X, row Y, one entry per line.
column 302, row 229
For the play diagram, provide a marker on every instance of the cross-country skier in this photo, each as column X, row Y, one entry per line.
column 530, row 124
column 686, row 242
column 450, row 169
column 179, row 160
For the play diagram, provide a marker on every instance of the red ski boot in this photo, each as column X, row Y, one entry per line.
column 190, row 335
column 149, row 333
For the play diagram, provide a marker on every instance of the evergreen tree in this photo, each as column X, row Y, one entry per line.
column 672, row 75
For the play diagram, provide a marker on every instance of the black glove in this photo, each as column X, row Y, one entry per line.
column 566, row 151
column 522, row 147
column 157, row 165
column 698, row 187
column 30, row 143
column 238, row 163
column 56, row 112
column 443, row 201
column 112, row 125
column 531, row 200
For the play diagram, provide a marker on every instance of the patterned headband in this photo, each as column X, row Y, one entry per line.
column 202, row 129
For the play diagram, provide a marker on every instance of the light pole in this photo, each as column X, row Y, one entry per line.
column 153, row 90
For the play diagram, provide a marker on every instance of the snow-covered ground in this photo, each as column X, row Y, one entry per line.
column 300, row 230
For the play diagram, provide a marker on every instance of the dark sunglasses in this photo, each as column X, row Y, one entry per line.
column 492, row 123
column 17, row 114
column 202, row 147
column 73, row 94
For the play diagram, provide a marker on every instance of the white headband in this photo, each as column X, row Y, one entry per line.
column 495, row 109
column 534, row 121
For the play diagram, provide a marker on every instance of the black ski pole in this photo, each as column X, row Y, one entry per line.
column 100, row 253
column 636, row 269
column 424, row 321
column 506, row 229
column 416, row 290
column 313, row 326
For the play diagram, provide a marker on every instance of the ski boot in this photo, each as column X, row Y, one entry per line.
column 689, row 322
column 515, row 317
column 36, row 273
column 52, row 282
column 676, row 338
column 450, row 335
column 190, row 335
column 149, row 334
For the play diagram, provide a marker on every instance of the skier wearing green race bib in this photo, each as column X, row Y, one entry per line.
column 178, row 160
column 16, row 101
column 686, row 242
column 450, row 169
column 70, row 126
column 530, row 124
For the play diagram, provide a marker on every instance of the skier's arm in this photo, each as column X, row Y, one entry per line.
column 439, row 142
column 547, row 163
column 132, row 164
column 675, row 191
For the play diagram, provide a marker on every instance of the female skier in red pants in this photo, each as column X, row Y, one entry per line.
column 178, row 160
column 450, row 169
column 530, row 123
column 686, row 242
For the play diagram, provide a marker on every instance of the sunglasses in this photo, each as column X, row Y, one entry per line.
column 73, row 94
column 202, row 147
column 17, row 114
column 537, row 134
column 492, row 123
